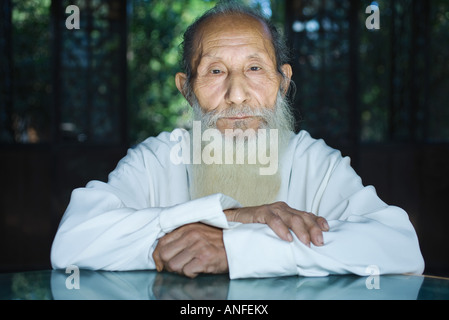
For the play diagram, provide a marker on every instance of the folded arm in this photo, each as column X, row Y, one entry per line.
column 117, row 225
column 362, row 231
column 198, row 248
column 98, row 233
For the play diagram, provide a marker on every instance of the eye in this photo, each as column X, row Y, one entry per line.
column 215, row 71
column 255, row 68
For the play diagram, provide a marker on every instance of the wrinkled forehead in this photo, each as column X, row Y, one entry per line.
column 230, row 30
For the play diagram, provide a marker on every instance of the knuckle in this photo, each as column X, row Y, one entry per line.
column 308, row 215
column 275, row 220
column 172, row 266
column 164, row 256
column 296, row 220
column 311, row 218
column 321, row 220
column 278, row 206
column 205, row 254
column 281, row 204
column 162, row 241
column 193, row 235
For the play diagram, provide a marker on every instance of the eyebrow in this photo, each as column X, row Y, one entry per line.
column 251, row 56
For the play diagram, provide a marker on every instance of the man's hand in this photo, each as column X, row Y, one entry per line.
column 192, row 249
column 280, row 217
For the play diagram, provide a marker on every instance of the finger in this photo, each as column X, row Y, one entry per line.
column 244, row 215
column 316, row 235
column 178, row 262
column 314, row 227
column 298, row 226
column 279, row 227
column 172, row 236
column 168, row 247
column 207, row 261
column 193, row 268
column 322, row 222
column 157, row 259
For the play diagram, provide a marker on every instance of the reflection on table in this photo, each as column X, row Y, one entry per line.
column 150, row 285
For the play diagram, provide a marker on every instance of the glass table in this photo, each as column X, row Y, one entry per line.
column 151, row 285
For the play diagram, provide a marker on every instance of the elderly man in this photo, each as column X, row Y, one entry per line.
column 309, row 216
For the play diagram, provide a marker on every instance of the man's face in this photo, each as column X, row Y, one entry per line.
column 234, row 67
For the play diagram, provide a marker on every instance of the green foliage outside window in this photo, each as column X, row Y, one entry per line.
column 155, row 33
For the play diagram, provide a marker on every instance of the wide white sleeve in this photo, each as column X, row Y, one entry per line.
column 99, row 233
column 365, row 236
column 116, row 225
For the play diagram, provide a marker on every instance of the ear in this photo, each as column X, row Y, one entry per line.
column 180, row 80
column 288, row 72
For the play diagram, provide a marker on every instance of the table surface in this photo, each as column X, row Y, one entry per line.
column 151, row 285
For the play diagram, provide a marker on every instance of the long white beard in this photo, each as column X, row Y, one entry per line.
column 244, row 181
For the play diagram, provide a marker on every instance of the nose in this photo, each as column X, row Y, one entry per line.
column 237, row 90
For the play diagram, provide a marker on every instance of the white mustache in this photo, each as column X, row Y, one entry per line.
column 278, row 116
column 237, row 111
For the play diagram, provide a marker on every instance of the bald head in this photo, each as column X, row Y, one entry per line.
column 233, row 31
column 231, row 9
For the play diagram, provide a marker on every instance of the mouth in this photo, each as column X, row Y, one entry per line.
column 240, row 117
column 240, row 121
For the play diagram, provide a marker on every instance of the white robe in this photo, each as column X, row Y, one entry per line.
column 116, row 225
